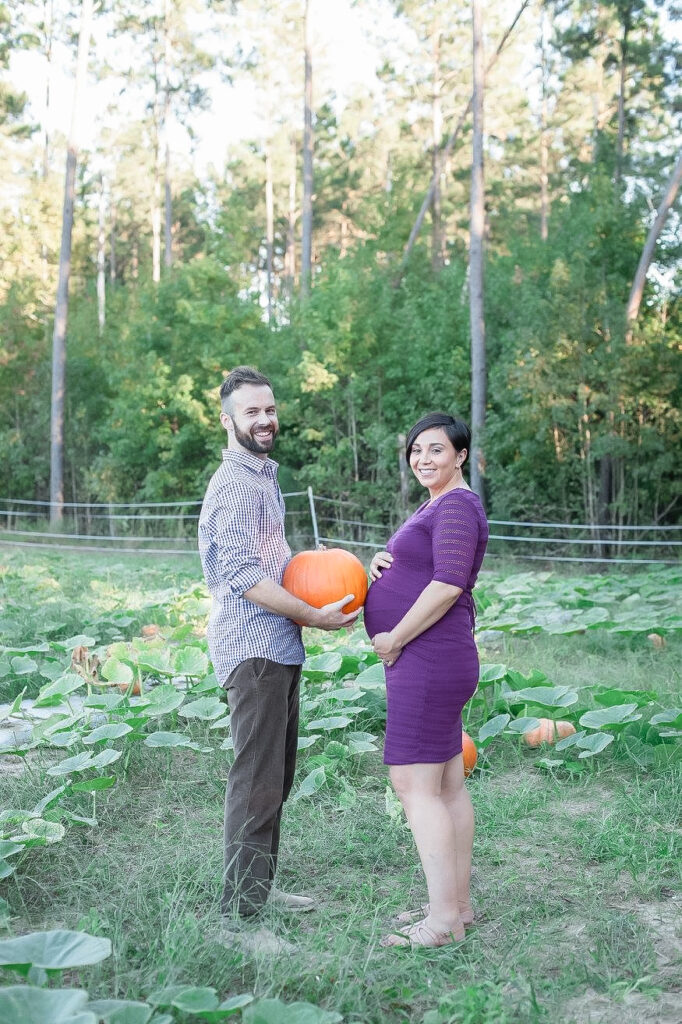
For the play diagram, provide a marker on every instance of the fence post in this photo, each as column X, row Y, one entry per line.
column 316, row 532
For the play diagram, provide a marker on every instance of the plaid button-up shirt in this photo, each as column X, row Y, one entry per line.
column 241, row 542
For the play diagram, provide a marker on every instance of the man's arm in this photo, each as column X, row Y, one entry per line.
column 240, row 566
column 274, row 598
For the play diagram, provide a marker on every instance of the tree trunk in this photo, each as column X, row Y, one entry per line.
column 290, row 254
column 544, row 148
column 307, row 208
column 156, row 221
column 637, row 290
column 112, row 239
column 62, row 303
column 168, row 204
column 620, row 144
column 452, row 138
column 101, row 258
column 48, row 20
column 269, row 233
column 437, row 255
column 478, row 368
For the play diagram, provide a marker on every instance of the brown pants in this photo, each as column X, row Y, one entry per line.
column 263, row 699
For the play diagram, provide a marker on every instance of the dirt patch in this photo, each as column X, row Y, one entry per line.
column 592, row 1008
column 10, row 764
column 597, row 802
column 664, row 921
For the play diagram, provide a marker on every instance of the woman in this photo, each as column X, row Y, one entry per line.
column 420, row 615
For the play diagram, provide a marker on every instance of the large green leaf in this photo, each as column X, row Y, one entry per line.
column 313, row 781
column 156, row 661
column 77, row 763
column 167, row 739
column 121, row 1011
column 53, row 950
column 672, row 717
column 206, row 708
column 546, row 696
column 327, row 664
column 274, row 1011
column 105, row 757
column 24, row 1004
column 196, row 1000
column 331, row 723
column 593, row 744
column 372, row 678
column 493, row 727
column 162, row 700
column 115, row 671
column 491, row 674
column 190, row 661
column 23, row 665
column 614, row 715
column 111, row 731
column 522, row 725
column 48, row 831
column 61, row 687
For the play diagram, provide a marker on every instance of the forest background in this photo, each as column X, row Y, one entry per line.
column 292, row 254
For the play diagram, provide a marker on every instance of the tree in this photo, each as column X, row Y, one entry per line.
column 62, row 304
column 478, row 365
column 307, row 205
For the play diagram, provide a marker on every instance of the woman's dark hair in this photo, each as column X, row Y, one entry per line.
column 456, row 430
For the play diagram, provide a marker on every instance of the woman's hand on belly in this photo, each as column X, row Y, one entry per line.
column 382, row 560
column 385, row 646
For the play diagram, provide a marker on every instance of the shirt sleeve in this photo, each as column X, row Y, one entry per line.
column 454, row 537
column 236, row 537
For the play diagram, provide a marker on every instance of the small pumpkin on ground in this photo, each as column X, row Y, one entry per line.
column 548, row 732
column 320, row 577
column 469, row 753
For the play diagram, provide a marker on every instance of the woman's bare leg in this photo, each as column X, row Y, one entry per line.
column 458, row 802
column 419, row 787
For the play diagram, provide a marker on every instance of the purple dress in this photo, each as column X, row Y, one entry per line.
column 437, row 672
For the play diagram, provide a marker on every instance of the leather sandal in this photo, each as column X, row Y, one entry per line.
column 420, row 934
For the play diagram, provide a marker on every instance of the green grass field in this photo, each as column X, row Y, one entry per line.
column 577, row 859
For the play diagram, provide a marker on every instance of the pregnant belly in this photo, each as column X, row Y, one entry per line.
column 387, row 601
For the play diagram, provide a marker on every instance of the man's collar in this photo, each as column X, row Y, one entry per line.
column 250, row 460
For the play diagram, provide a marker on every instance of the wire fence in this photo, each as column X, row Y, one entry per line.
column 170, row 528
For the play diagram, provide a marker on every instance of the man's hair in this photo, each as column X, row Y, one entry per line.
column 456, row 430
column 236, row 379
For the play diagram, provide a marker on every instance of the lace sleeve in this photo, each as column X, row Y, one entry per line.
column 454, row 536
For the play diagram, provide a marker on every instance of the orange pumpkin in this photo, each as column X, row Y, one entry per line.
column 320, row 577
column 548, row 732
column 469, row 752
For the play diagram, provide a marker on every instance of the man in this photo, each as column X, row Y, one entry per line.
column 255, row 644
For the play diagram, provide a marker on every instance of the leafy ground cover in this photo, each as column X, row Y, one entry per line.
column 113, row 809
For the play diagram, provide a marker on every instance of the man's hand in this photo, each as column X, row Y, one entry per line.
column 386, row 646
column 330, row 616
column 382, row 560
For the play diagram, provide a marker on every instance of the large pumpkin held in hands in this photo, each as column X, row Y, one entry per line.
column 321, row 577
column 469, row 753
column 548, row 731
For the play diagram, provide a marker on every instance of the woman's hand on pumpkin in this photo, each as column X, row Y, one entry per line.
column 382, row 560
column 386, row 647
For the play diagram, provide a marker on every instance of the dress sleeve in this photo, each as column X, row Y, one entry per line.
column 454, row 537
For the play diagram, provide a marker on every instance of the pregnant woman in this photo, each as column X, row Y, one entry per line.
column 420, row 615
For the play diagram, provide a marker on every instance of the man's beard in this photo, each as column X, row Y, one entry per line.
column 250, row 443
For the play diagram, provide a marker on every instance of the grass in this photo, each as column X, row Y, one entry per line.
column 577, row 882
